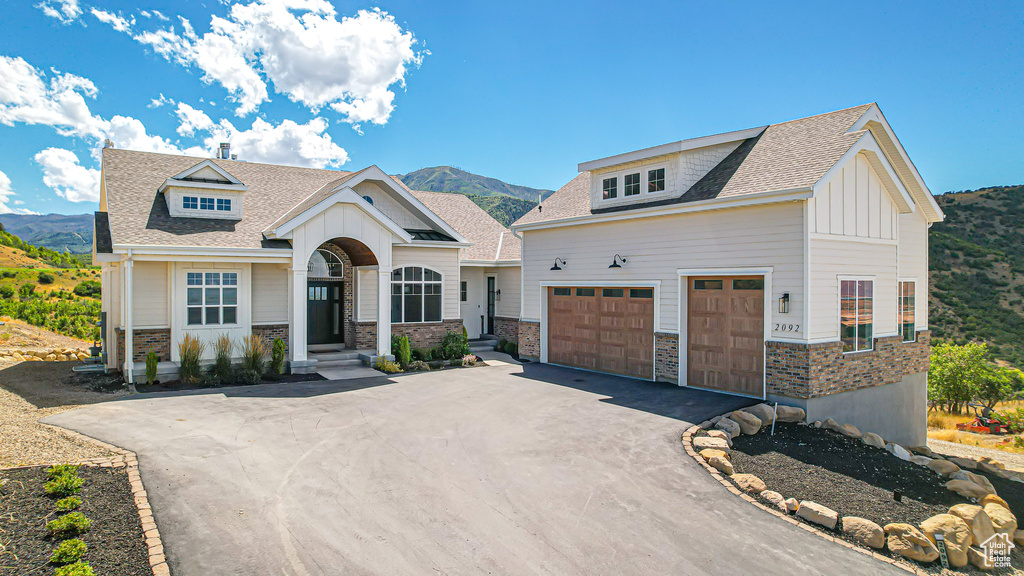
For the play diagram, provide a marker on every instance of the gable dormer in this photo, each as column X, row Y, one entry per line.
column 205, row 190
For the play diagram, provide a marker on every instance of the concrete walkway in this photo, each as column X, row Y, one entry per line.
column 503, row 469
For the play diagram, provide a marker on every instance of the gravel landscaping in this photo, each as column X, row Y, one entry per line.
column 116, row 546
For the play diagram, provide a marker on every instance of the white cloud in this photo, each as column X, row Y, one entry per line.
column 304, row 50
column 158, row 102
column 6, row 197
column 287, row 143
column 192, row 120
column 68, row 178
column 26, row 97
column 67, row 11
column 116, row 21
column 160, row 15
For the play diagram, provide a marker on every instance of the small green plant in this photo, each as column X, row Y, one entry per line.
column 387, row 366
column 151, row 362
column 254, row 354
column 454, row 346
column 9, row 274
column 247, row 376
column 190, row 352
column 223, row 348
column 421, row 355
column 436, row 354
column 418, row 366
column 7, row 291
column 69, row 552
column 68, row 504
column 277, row 356
column 63, row 486
column 88, row 289
column 465, row 334
column 403, row 353
column 26, row 290
column 45, row 278
column 59, row 470
column 69, row 525
column 512, row 349
column 80, row 568
column 501, row 345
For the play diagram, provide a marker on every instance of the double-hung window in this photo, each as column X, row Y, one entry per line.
column 190, row 202
column 463, row 289
column 224, row 204
column 212, row 298
column 415, row 295
column 655, row 180
column 856, row 318
column 632, row 185
column 610, row 188
column 907, row 299
column 206, row 203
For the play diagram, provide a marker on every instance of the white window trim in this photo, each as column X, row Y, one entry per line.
column 423, row 303
column 639, row 183
column 874, row 312
column 899, row 308
column 463, row 291
column 645, row 183
column 203, row 307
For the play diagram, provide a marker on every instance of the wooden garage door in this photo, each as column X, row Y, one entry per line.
column 726, row 334
column 603, row 329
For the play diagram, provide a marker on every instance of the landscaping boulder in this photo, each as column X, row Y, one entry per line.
column 864, row 531
column 703, row 442
column 749, row 483
column 817, row 424
column 722, row 464
column 977, row 520
column 943, row 468
column 763, row 412
column 791, row 505
column 907, row 541
column 898, row 451
column 790, row 414
column 721, row 434
column 749, row 424
column 993, row 499
column 991, row 462
column 964, row 463
column 920, row 460
column 976, row 478
column 716, row 419
column 728, row 426
column 872, row 439
column 775, row 498
column 709, row 453
column 705, row 425
column 1002, row 519
column 850, row 431
column 989, row 468
column 955, row 531
column 922, row 451
column 967, row 489
column 830, row 424
column 818, row 514
column 978, row 558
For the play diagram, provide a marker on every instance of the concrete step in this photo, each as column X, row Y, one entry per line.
column 474, row 348
column 324, row 364
column 335, row 355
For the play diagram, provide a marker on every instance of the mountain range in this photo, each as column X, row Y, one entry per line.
column 61, row 232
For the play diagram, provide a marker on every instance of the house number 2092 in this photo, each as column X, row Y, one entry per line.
column 787, row 327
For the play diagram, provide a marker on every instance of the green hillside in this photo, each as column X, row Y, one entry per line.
column 504, row 209
column 449, row 179
column 60, row 232
column 977, row 273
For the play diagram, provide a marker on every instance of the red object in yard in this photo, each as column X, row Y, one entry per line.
column 983, row 422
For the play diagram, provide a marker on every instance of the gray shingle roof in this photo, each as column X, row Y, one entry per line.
column 475, row 224
column 794, row 154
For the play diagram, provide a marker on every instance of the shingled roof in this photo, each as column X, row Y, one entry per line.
column 786, row 156
column 487, row 234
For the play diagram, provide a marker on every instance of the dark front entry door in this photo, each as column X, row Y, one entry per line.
column 323, row 314
column 490, row 304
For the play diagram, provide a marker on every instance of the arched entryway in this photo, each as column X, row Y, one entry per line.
column 331, row 299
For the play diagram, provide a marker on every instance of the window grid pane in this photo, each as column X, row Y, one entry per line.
column 609, row 186
column 856, row 315
column 224, row 204
column 190, row 202
column 206, row 203
column 656, row 180
column 632, row 185
column 212, row 298
column 416, row 295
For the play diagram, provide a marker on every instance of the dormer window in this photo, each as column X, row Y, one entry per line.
column 190, row 202
column 205, row 190
column 610, row 187
column 655, row 180
column 206, row 203
column 224, row 204
column 632, row 184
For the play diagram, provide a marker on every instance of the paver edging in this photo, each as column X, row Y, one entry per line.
column 127, row 459
column 687, row 440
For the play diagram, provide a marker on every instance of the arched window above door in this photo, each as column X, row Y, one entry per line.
column 324, row 264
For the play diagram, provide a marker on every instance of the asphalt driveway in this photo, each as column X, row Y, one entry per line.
column 497, row 470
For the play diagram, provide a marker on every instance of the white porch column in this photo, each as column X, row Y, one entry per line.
column 129, row 330
column 297, row 331
column 383, row 312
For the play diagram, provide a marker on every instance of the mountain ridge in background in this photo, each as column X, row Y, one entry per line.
column 61, row 232
column 451, row 179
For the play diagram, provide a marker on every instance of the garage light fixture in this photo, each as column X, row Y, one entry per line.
column 615, row 261
column 784, row 304
column 556, row 266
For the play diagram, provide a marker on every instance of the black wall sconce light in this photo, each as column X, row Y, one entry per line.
column 497, row 294
column 616, row 260
column 556, row 266
column 784, row 304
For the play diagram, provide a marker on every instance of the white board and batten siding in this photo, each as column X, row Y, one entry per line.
column 341, row 221
column 389, row 206
column 854, row 204
column 655, row 248
column 269, row 294
column 474, row 308
column 443, row 260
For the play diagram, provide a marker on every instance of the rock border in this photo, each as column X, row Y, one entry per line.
column 687, row 440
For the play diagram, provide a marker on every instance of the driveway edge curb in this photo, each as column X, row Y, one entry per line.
column 687, row 440
column 127, row 458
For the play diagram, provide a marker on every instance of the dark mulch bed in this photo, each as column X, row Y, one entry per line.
column 852, row 478
column 115, row 540
column 176, row 385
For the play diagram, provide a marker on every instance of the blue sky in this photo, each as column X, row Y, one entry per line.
column 521, row 91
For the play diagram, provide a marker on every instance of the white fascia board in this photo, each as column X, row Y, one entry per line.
column 671, row 148
column 491, row 263
column 375, row 173
column 208, row 163
column 684, row 208
column 877, row 158
column 436, row 244
column 345, row 195
column 203, row 185
column 201, row 252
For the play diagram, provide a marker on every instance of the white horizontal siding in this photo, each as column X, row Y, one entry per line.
column 854, row 203
column 269, row 294
column 150, row 289
column 655, row 248
column 913, row 261
column 832, row 258
column 443, row 260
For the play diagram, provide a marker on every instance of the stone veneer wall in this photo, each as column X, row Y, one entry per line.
column 529, row 339
column 813, row 370
column 146, row 340
column 507, row 328
column 348, row 303
column 666, row 357
column 425, row 335
column 270, row 331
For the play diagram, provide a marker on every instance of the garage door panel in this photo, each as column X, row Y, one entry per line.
column 725, row 341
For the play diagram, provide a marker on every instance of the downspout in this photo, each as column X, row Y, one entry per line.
column 129, row 331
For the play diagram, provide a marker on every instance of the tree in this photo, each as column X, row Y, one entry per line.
column 955, row 372
column 994, row 385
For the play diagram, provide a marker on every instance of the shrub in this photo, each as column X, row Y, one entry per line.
column 151, row 362
column 254, row 354
column 403, row 353
column 9, row 274
column 69, row 551
column 45, row 278
column 59, row 470
column 454, row 346
column 223, row 347
column 88, row 289
column 387, row 366
column 501, row 345
column 436, row 354
column 420, row 355
column 190, row 351
column 27, row 289
column 80, row 568
column 248, row 376
column 68, row 504
column 277, row 356
column 63, row 486
column 69, row 524
column 418, row 366
column 469, row 360
column 7, row 291
column 512, row 349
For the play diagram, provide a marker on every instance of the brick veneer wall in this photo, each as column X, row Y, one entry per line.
column 813, row 370
column 529, row 339
column 270, row 331
column 425, row 335
column 366, row 335
column 146, row 340
column 666, row 357
column 348, row 304
column 507, row 328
